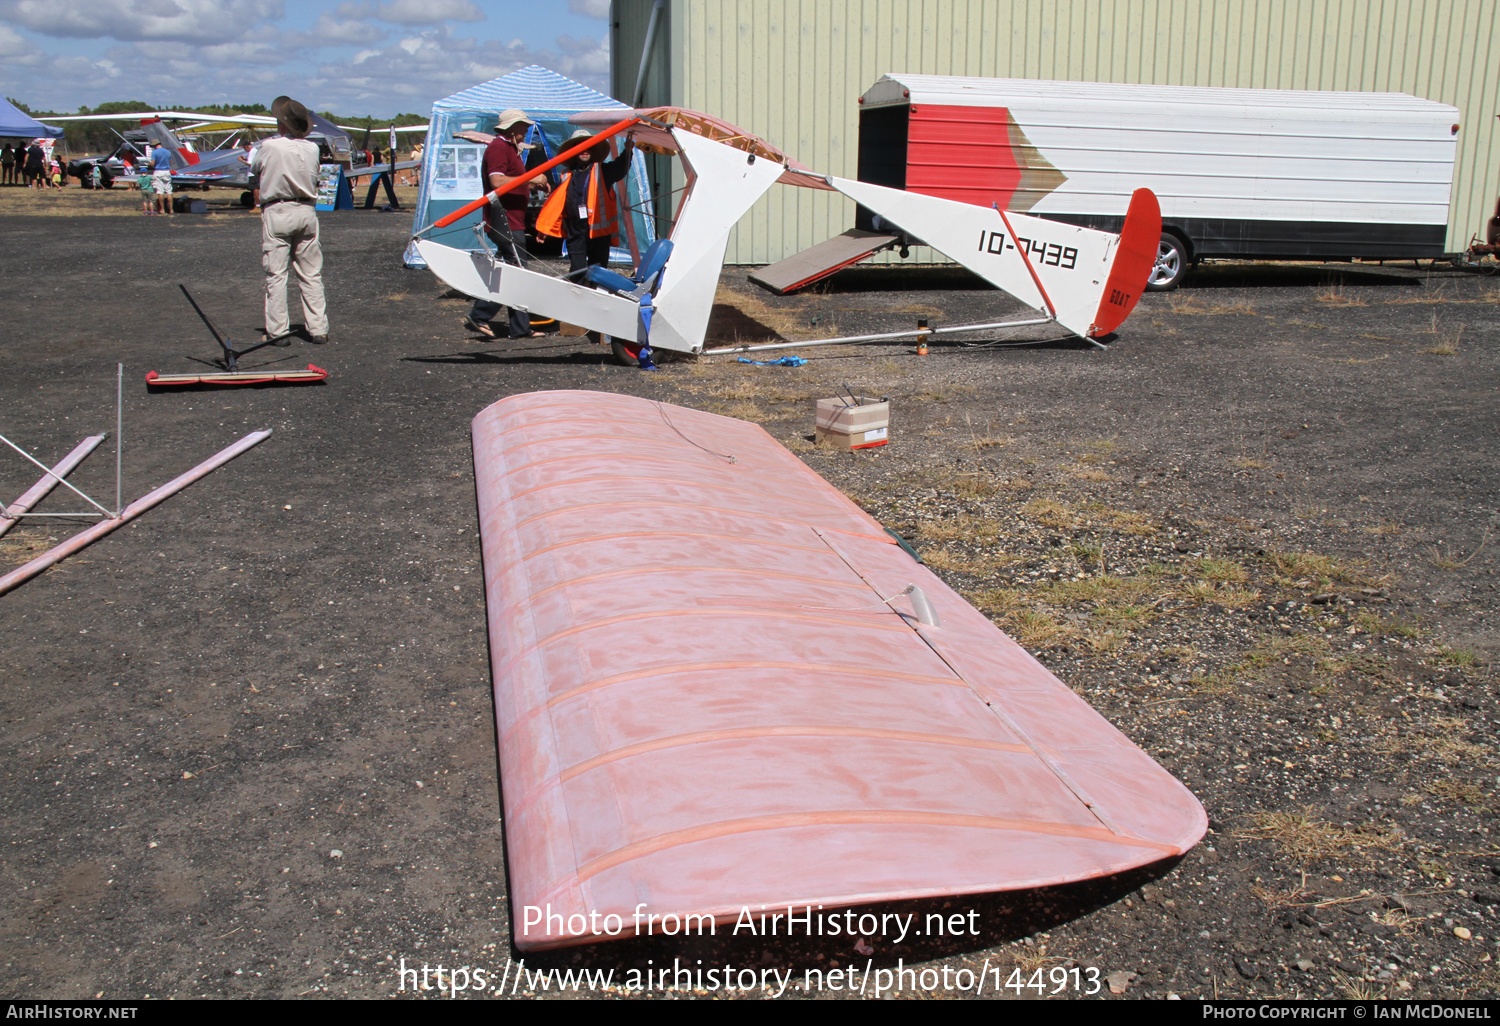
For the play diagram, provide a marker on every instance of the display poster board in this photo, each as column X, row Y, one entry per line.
column 333, row 188
column 456, row 174
column 328, row 185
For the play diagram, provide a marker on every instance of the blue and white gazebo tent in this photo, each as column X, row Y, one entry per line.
column 547, row 98
column 16, row 124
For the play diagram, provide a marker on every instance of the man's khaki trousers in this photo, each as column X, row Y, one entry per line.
column 289, row 236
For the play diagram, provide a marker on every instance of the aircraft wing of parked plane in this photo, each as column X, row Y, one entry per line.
column 260, row 120
column 230, row 167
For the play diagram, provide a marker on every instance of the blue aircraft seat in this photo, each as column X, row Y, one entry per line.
column 647, row 277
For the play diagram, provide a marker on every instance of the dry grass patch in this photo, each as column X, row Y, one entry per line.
column 1220, row 570
column 1336, row 296
column 1448, row 346
column 1207, row 593
column 963, row 527
column 1192, row 306
column 22, row 546
column 744, row 411
column 78, row 202
column 1256, row 665
column 1104, row 589
column 919, row 310
column 1123, row 618
column 1461, row 792
column 997, row 601
column 992, row 441
column 745, row 318
column 948, row 558
column 1102, row 644
column 1440, row 741
column 1126, row 522
column 1413, row 300
column 1299, row 569
column 989, row 440
column 1249, row 463
column 1372, row 623
column 1300, row 835
column 1462, row 658
column 1032, row 628
column 1051, row 513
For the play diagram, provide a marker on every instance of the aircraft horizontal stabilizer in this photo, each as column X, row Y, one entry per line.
column 1073, row 273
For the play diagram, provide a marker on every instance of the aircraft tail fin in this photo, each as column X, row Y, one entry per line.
column 1134, row 259
column 1087, row 279
column 160, row 135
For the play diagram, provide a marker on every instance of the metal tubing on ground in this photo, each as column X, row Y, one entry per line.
column 129, row 513
column 857, row 339
column 39, row 491
column 62, row 481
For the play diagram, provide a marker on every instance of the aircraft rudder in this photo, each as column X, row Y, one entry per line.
column 1135, row 256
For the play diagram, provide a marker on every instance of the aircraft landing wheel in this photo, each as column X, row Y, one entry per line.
column 247, row 199
column 1171, row 264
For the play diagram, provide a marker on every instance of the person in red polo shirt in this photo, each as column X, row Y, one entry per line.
column 505, row 218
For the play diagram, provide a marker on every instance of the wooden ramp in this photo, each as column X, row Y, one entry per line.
column 820, row 261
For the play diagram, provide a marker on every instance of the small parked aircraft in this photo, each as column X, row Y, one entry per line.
column 1083, row 280
column 230, row 167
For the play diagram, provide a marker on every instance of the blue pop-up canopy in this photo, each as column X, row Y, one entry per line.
column 548, row 99
column 16, row 123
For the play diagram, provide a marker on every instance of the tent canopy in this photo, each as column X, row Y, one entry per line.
column 14, row 123
column 543, row 94
column 550, row 99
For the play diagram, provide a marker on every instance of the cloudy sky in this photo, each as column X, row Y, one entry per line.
column 355, row 57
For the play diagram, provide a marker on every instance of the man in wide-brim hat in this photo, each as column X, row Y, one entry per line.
column 505, row 218
column 291, row 117
column 287, row 166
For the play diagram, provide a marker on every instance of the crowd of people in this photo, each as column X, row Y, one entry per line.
column 32, row 167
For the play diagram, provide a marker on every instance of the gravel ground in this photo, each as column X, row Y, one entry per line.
column 248, row 743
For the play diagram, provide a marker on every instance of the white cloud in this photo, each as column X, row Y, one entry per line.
column 585, row 59
column 198, row 21
column 331, row 31
column 11, row 43
column 342, row 63
column 590, row 8
column 428, row 12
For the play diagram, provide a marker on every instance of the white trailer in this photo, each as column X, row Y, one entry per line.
column 1242, row 173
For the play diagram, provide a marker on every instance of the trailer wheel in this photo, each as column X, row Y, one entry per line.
column 1171, row 264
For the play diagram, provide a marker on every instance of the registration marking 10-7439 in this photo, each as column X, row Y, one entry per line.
column 1050, row 254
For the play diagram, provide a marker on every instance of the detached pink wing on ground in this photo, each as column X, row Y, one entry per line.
column 704, row 704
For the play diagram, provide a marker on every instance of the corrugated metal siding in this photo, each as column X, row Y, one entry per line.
column 791, row 70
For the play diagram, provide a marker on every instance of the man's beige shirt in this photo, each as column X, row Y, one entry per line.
column 288, row 169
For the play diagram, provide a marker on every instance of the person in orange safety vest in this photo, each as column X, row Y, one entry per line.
column 583, row 209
